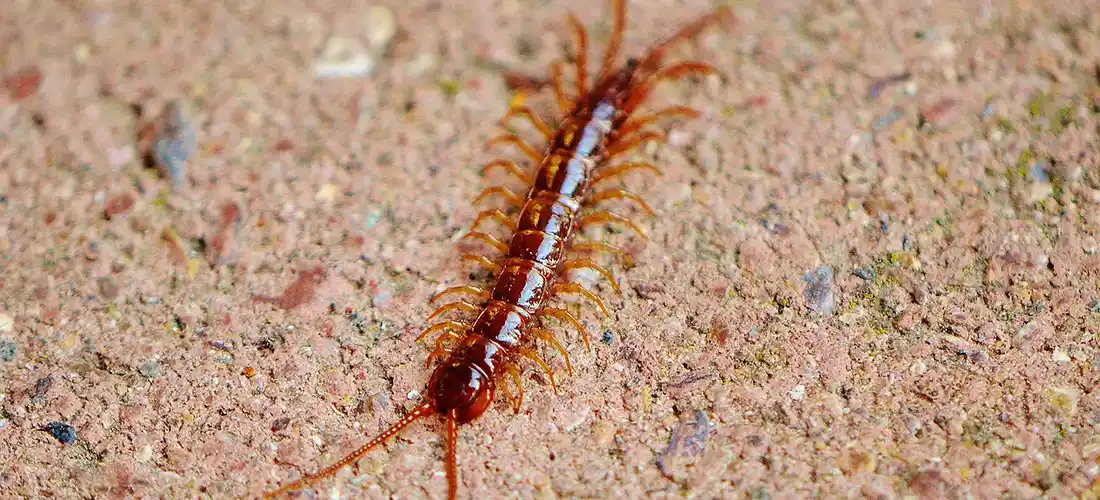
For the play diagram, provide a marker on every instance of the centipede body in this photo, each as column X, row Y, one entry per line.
column 600, row 124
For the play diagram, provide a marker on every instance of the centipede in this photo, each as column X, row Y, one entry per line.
column 475, row 358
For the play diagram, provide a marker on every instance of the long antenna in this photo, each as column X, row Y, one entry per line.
column 416, row 414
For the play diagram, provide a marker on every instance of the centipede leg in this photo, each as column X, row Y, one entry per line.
column 618, row 170
column 518, row 142
column 610, row 194
column 599, row 246
column 569, row 287
column 636, row 123
column 470, row 289
column 627, row 143
column 570, row 265
column 488, row 238
column 559, row 86
column 534, row 356
column 600, row 217
column 445, row 337
column 461, row 305
column 674, row 71
column 548, row 336
column 455, row 326
column 531, row 116
column 484, row 261
column 513, row 198
column 495, row 214
column 508, row 166
column 440, row 351
column 509, row 396
column 513, row 372
column 563, row 315
column 582, row 53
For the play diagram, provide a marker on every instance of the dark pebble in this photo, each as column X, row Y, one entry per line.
column 280, row 424
column 864, row 274
column 61, row 431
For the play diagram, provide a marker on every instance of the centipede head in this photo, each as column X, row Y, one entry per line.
column 461, row 387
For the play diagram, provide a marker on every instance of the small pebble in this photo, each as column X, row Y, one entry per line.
column 343, row 57
column 414, row 395
column 1064, row 398
column 144, row 455
column 176, row 142
column 864, row 274
column 23, row 82
column 381, row 27
column 797, row 393
column 7, row 350
column 818, row 294
column 280, row 424
column 382, row 299
column 61, row 432
column 7, row 323
column 149, row 370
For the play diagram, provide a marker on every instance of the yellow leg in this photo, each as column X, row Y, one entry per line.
column 512, row 197
column 548, row 336
column 563, row 287
column 470, row 289
column 514, row 373
column 600, row 217
column 610, row 194
column 626, row 143
column 488, row 238
column 435, row 354
column 563, row 315
column 534, row 356
column 559, row 86
column 508, row 166
column 599, row 246
column 588, row 264
column 636, row 123
column 618, row 170
column 461, row 305
column 497, row 215
column 519, row 143
column 489, row 265
column 531, row 116
column 454, row 326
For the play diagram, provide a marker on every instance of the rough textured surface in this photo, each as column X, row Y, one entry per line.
column 939, row 159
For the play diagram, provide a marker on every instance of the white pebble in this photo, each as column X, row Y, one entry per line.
column 381, row 27
column 798, row 392
column 343, row 57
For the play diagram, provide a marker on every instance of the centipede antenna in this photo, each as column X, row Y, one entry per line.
column 618, row 11
column 416, row 414
column 452, row 453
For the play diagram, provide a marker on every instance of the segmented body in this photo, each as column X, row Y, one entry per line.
column 478, row 357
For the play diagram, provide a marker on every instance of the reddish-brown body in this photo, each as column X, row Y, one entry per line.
column 598, row 126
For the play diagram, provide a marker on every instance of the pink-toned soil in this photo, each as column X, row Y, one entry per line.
column 219, row 336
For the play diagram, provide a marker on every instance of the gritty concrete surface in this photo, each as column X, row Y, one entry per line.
column 874, row 270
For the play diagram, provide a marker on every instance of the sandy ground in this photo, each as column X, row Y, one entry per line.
column 874, row 271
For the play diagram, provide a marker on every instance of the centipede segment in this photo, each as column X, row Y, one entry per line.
column 505, row 324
